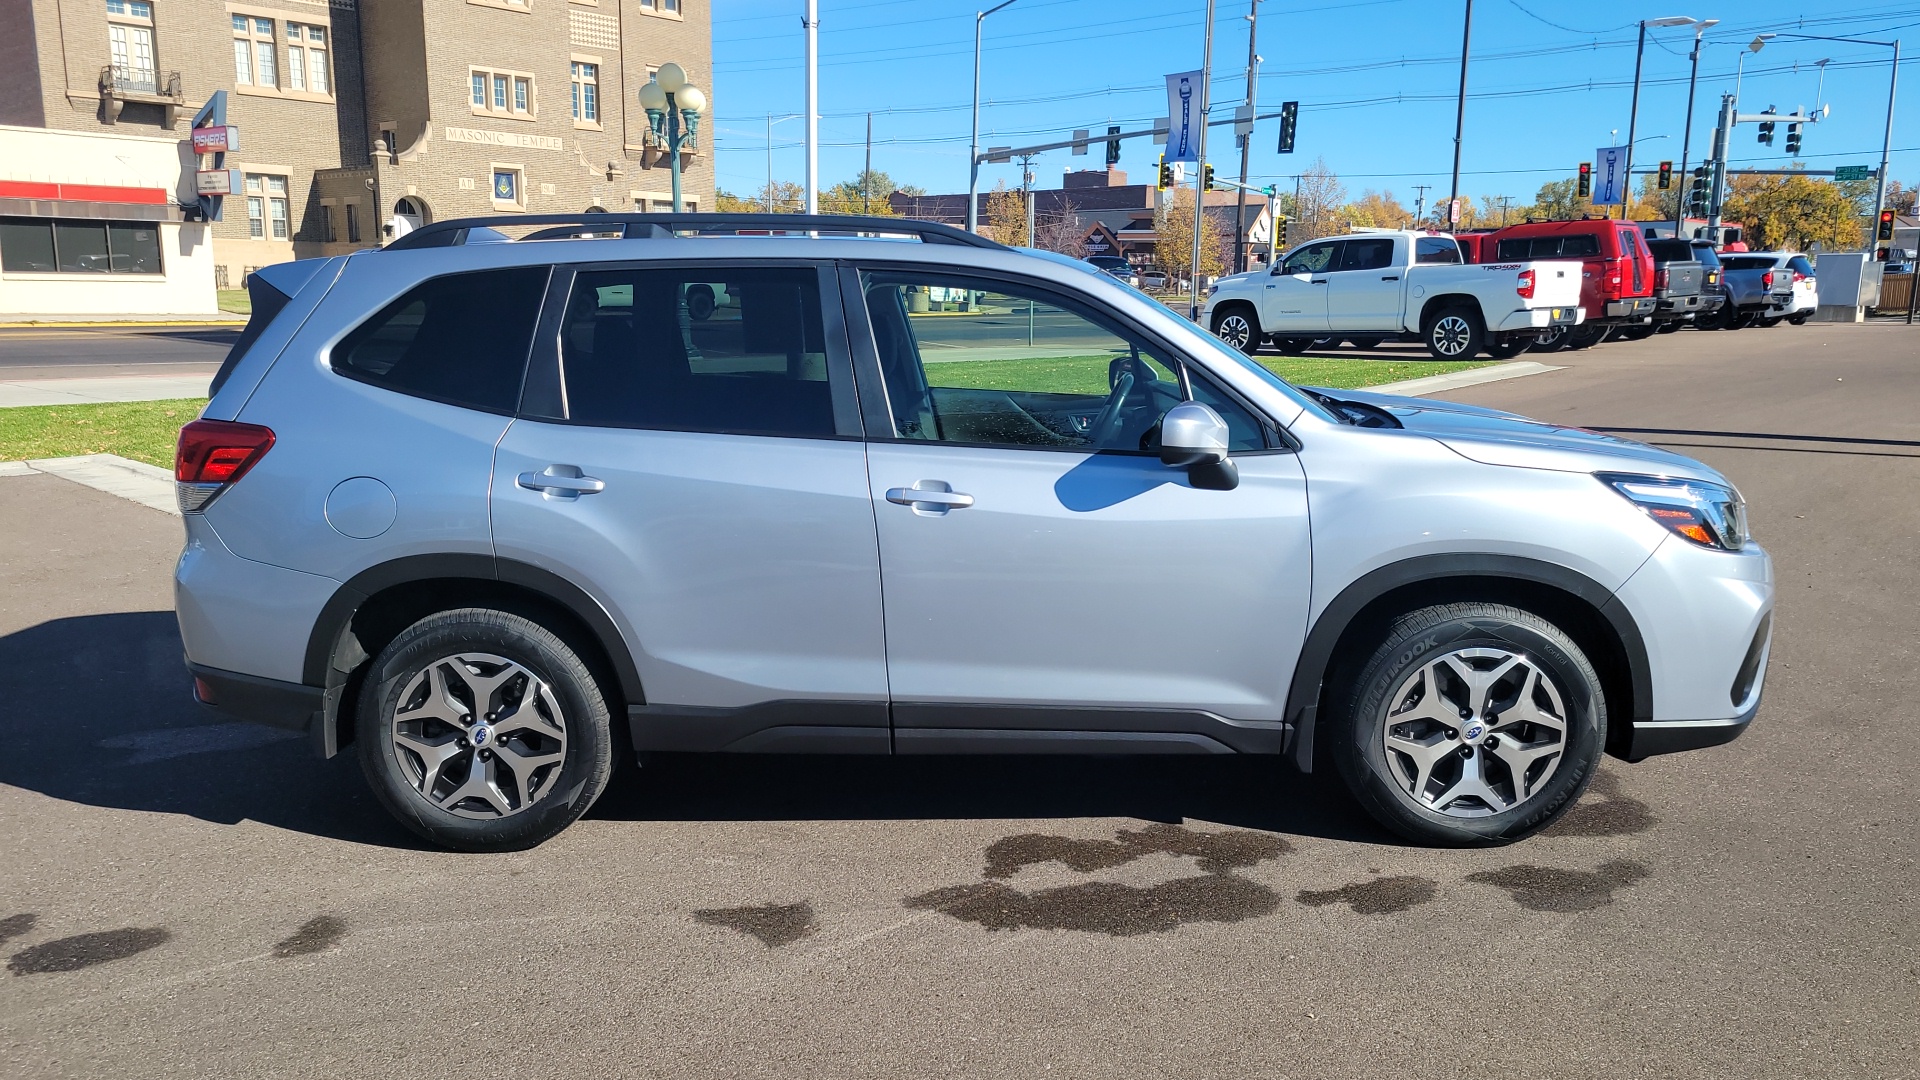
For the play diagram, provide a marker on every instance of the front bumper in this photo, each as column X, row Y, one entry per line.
column 1655, row 737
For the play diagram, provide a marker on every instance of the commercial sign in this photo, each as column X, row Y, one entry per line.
column 224, row 139
column 1610, row 176
column 217, row 182
column 1183, row 110
column 514, row 139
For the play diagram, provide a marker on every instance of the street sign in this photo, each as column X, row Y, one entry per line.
column 1243, row 121
column 1843, row 173
column 217, row 182
column 1610, row 176
column 999, row 155
column 1184, row 93
column 1080, row 148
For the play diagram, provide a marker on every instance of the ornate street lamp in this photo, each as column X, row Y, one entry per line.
column 673, row 108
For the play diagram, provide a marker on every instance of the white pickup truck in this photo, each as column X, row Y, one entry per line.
column 1377, row 285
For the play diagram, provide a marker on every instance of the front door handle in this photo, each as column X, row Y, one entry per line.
column 561, row 482
column 1389, row 277
column 929, row 497
column 1319, row 281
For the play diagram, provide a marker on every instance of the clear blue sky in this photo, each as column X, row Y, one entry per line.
column 1376, row 80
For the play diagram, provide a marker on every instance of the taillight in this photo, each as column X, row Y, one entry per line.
column 1525, row 285
column 1766, row 280
column 214, row 453
column 1660, row 279
column 1798, row 277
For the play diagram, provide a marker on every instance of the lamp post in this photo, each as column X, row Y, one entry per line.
column 1633, row 111
column 973, row 161
column 1686, row 136
column 671, row 102
column 1893, row 86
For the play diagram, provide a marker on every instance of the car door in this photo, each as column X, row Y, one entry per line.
column 1364, row 292
column 689, row 455
column 1044, row 575
column 1294, row 301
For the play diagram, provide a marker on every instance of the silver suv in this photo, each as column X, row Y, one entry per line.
column 499, row 510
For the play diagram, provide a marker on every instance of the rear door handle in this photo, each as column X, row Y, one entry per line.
column 929, row 497
column 561, row 482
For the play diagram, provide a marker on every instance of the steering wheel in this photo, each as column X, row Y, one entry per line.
column 1106, row 424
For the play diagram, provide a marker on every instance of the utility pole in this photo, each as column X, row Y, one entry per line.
column 813, row 106
column 769, row 191
column 1420, row 201
column 1686, row 137
column 1460, row 115
column 1200, row 171
column 866, row 174
column 1717, row 167
column 1246, row 141
column 1026, row 190
column 1505, row 201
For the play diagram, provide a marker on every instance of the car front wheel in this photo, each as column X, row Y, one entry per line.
column 481, row 730
column 1470, row 724
column 1238, row 326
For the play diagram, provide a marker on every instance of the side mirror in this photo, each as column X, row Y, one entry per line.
column 1195, row 438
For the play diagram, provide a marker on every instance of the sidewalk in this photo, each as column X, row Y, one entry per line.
column 20, row 393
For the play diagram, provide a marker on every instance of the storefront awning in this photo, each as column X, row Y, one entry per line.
column 32, row 198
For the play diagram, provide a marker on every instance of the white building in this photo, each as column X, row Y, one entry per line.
column 91, row 224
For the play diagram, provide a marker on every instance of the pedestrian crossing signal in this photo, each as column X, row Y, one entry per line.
column 1586, row 179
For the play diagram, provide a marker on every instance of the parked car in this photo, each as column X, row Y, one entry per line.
column 1120, row 268
column 1806, row 292
column 1155, row 280
column 1679, row 281
column 1755, row 285
column 1616, row 277
column 469, row 507
column 1713, row 286
column 1377, row 285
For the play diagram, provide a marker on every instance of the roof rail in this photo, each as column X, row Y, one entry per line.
column 457, row 231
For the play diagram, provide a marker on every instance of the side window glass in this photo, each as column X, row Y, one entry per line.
column 965, row 362
column 727, row 351
column 1435, row 249
column 1244, row 432
column 1312, row 259
column 1517, row 251
column 1580, row 246
column 1367, row 254
column 461, row 339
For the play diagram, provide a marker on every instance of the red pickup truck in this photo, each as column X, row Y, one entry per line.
column 1616, row 280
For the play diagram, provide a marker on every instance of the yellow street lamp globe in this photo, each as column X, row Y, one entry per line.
column 653, row 97
column 690, row 99
column 671, row 78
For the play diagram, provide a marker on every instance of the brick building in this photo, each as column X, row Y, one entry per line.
column 355, row 112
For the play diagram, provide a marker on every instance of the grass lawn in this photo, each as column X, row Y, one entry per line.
column 141, row 430
column 1088, row 374
column 236, row 301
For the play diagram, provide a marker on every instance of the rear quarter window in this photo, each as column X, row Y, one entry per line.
column 1802, row 264
column 461, row 339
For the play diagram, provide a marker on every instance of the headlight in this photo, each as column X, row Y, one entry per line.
column 1711, row 515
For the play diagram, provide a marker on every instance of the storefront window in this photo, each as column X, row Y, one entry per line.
column 38, row 246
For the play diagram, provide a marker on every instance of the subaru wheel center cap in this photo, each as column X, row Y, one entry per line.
column 1473, row 732
column 482, row 735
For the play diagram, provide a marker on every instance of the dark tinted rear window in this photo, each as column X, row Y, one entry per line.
column 461, row 339
column 1570, row 246
column 1749, row 262
column 1671, row 250
column 1706, row 255
column 1435, row 249
column 1367, row 255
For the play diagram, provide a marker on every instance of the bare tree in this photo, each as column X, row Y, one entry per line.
column 1059, row 230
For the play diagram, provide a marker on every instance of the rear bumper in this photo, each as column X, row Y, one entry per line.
column 1542, row 318
column 1630, row 310
column 290, row 706
column 1679, row 307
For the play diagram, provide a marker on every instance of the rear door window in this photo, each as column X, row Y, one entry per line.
column 720, row 350
column 1435, row 249
column 461, row 339
column 1374, row 254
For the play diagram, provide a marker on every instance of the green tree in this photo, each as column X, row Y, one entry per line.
column 1173, row 237
column 1007, row 215
column 1794, row 212
column 778, row 197
column 866, row 193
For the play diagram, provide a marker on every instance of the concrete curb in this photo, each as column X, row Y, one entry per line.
column 1434, row 384
column 99, row 390
column 135, row 481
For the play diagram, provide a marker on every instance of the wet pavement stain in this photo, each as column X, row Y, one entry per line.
column 774, row 924
column 1381, row 896
column 1546, row 888
column 14, row 926
column 86, row 950
column 1109, row 907
column 317, row 934
column 1611, row 814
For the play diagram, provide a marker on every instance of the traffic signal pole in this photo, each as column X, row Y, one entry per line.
column 1717, row 168
column 1246, row 141
column 1200, row 168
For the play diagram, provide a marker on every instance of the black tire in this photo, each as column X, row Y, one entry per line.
column 1292, row 346
column 1454, row 333
column 1800, row 319
column 1586, row 337
column 1766, row 322
column 701, row 302
column 1507, row 350
column 1670, row 327
column 1239, row 326
column 1422, row 637
column 1552, row 340
column 558, row 795
column 1634, row 333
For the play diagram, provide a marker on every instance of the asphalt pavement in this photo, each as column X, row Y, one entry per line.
column 185, row 897
column 91, row 352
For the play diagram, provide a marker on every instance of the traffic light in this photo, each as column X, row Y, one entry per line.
column 1666, row 175
column 1166, row 173
column 1113, row 146
column 1586, row 179
column 1886, row 225
column 1700, row 193
column 1206, row 177
column 1289, row 116
column 1793, row 139
column 1280, row 235
column 1766, row 128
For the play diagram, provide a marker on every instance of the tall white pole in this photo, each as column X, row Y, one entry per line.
column 813, row 106
column 1200, row 170
column 973, row 159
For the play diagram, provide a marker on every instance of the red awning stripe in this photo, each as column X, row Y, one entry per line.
column 99, row 193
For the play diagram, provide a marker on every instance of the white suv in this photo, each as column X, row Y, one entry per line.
column 490, row 509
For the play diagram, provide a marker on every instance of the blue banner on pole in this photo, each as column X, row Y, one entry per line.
column 1185, row 119
column 1610, row 176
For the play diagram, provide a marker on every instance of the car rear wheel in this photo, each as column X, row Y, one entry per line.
column 1767, row 322
column 1800, row 319
column 1292, row 346
column 1586, row 337
column 1470, row 724
column 1671, row 327
column 1552, row 340
column 1507, row 350
column 1238, row 326
column 1635, row 333
column 1454, row 333
column 481, row 730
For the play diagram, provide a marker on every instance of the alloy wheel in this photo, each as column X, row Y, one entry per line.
column 478, row 735
column 1451, row 335
column 1236, row 331
column 1475, row 732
